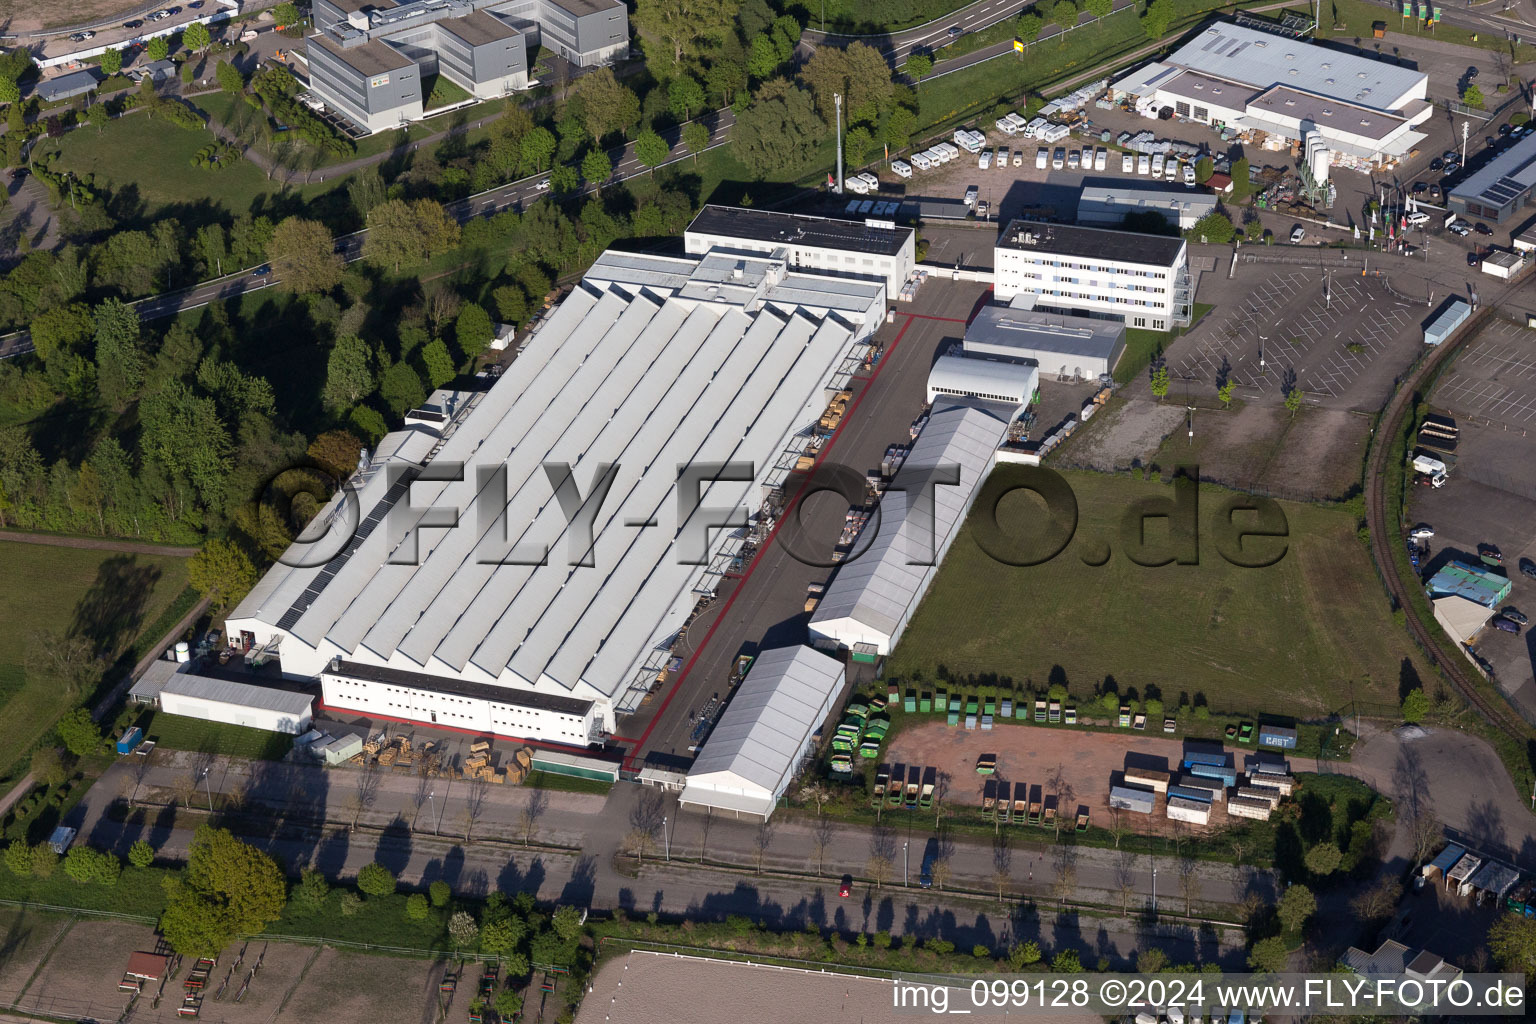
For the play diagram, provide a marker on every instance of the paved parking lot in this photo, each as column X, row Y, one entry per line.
column 1339, row 337
column 1496, row 377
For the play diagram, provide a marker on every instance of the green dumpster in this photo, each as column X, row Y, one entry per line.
column 925, row 703
column 909, row 703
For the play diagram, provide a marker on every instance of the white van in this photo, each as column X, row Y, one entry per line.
column 1157, row 165
column 1100, row 159
column 1171, row 169
column 1127, row 163
column 1042, row 157
column 1143, row 164
column 901, row 168
column 921, row 161
column 1418, row 218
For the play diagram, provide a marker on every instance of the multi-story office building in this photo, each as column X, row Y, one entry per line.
column 367, row 58
column 1141, row 280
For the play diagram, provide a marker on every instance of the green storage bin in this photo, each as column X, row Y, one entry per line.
column 954, row 718
column 909, row 702
column 925, row 703
column 940, row 700
column 1021, row 710
column 989, row 706
column 954, row 703
column 971, row 705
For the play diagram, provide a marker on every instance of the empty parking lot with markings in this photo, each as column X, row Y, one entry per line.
column 1337, row 336
column 1495, row 378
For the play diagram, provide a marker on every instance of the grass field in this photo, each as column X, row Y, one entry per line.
column 1141, row 346
column 1300, row 637
column 178, row 732
column 107, row 597
column 567, row 783
column 1352, row 19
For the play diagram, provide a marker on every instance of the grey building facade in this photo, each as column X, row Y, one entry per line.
column 367, row 58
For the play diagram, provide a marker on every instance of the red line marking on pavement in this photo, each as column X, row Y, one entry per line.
column 541, row 744
column 687, row 668
column 928, row 316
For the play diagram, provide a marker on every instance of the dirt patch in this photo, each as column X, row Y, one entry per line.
column 1126, row 434
column 1321, row 454
column 356, row 987
column 33, row 17
column 1071, row 767
column 27, row 937
column 80, row 979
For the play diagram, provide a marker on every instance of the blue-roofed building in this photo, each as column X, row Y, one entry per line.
column 64, row 87
column 1468, row 581
column 1444, row 861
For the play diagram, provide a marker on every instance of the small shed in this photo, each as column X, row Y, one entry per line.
column 1446, row 321
column 1219, row 183
column 342, row 749
column 64, row 87
column 1465, row 868
column 1525, row 241
column 1444, row 861
column 157, row 71
column 129, row 739
column 1502, row 264
column 1281, row 736
column 1493, row 881
column 1129, row 798
column 147, row 966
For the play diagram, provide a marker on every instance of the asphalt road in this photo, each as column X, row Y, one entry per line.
column 515, row 195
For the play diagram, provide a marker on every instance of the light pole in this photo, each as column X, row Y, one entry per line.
column 432, row 810
column 1154, row 887
column 666, row 840
column 208, row 788
column 906, row 861
column 837, row 187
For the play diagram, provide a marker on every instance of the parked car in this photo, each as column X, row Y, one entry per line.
column 80, row 37
column 1059, row 158
column 1473, row 259
column 1504, row 129
column 1482, row 229
column 1422, row 532
column 1420, row 187
column 1507, row 625
column 1458, row 228
column 1436, row 164
column 194, row 5
column 846, row 888
column 1297, row 234
column 1514, row 615
column 1449, row 156
column 1528, row 568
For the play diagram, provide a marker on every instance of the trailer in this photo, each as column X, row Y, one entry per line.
column 129, row 739
column 1055, row 711
column 1444, row 861
column 1148, row 778
column 930, row 779
column 1050, row 813
column 1020, row 802
column 986, row 764
column 1039, row 710
column 893, row 790
column 882, row 776
column 1034, row 806
column 914, row 784
column 989, row 796
column 1283, row 784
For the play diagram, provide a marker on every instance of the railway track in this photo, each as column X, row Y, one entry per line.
column 1386, row 533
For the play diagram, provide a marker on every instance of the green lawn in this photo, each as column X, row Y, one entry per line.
column 567, row 783
column 178, row 732
column 441, row 92
column 108, row 597
column 1352, row 19
column 1141, row 346
column 1297, row 638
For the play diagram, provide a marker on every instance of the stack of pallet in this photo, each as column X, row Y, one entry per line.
column 406, row 759
column 478, row 764
column 431, row 759
column 517, row 771
column 386, row 756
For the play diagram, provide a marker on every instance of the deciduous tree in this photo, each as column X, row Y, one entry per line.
column 229, row 888
column 1295, row 907
column 1159, row 15
column 374, row 879
column 473, row 329
column 1415, row 706
column 607, row 104
column 917, row 67
column 111, row 62
column 350, row 374
column 221, row 572
column 650, row 149
column 304, row 257
column 672, row 32
column 696, row 138
column 157, row 48
column 196, row 36
column 779, row 131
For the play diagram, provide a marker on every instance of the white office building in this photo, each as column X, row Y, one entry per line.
column 1064, row 346
column 812, row 245
column 1249, row 79
column 513, row 622
column 1140, row 280
column 1109, row 205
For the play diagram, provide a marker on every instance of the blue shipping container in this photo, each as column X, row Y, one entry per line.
column 1204, row 753
column 1190, row 793
column 1227, row 775
column 129, row 740
column 1277, row 736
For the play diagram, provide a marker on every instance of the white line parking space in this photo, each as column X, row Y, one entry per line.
column 1496, row 377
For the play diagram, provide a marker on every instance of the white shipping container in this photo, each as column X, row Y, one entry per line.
column 1241, row 807
column 1147, row 778
column 1192, row 811
column 1264, row 793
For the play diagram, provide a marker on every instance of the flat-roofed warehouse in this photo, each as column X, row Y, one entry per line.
column 873, row 594
column 649, row 365
column 1109, row 205
column 814, row 245
column 1502, row 187
column 766, row 729
column 1247, row 78
column 1076, row 346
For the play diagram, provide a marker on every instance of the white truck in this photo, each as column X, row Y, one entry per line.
column 1432, row 468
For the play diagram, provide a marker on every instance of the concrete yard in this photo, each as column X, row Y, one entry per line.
column 1086, row 764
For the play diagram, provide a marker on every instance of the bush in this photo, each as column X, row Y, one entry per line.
column 310, row 893
column 44, row 860
column 375, row 880
column 440, row 892
column 939, row 946
column 18, row 858
column 980, row 952
column 351, row 903
column 141, row 854
column 416, row 907
column 882, row 940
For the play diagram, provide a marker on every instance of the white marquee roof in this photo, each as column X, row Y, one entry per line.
column 752, row 750
column 872, row 594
